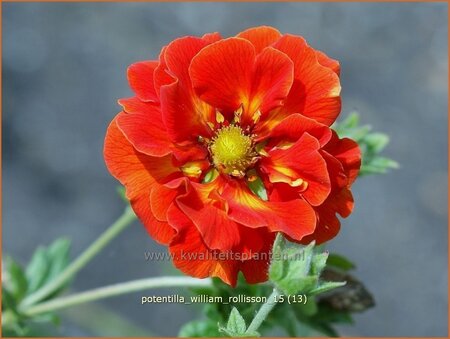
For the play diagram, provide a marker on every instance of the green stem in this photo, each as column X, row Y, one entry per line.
column 278, row 240
column 265, row 309
column 116, row 228
column 263, row 312
column 114, row 290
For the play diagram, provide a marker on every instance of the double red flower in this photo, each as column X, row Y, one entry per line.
column 211, row 117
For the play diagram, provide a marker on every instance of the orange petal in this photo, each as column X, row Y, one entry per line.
column 138, row 173
column 348, row 153
column 227, row 74
column 192, row 256
column 146, row 132
column 338, row 176
column 260, row 37
column 295, row 218
column 252, row 241
column 293, row 127
column 208, row 211
column 140, row 77
column 184, row 115
column 326, row 61
column 221, row 73
column 272, row 81
column 161, row 75
column 211, row 37
column 302, row 161
column 328, row 224
column 256, row 270
column 316, row 89
column 188, row 151
column 136, row 105
column 161, row 197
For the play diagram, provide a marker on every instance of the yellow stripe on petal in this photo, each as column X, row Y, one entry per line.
column 192, row 169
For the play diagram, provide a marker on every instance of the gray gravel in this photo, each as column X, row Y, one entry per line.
column 64, row 68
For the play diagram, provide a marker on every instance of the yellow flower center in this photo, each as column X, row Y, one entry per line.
column 232, row 150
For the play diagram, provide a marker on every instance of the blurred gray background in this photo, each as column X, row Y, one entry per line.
column 64, row 67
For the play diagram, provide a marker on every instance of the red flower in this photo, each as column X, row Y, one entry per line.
column 213, row 115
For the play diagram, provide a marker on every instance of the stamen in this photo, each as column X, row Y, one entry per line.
column 232, row 150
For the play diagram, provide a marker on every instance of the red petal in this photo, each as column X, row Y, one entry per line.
column 328, row 224
column 211, row 37
column 315, row 91
column 348, row 153
column 146, row 132
column 161, row 197
column 300, row 161
column 184, row 115
column 227, row 74
column 326, row 61
column 161, row 75
column 272, row 80
column 342, row 202
column 138, row 173
column 136, row 105
column 208, row 211
column 192, row 256
column 252, row 240
column 260, row 37
column 178, row 56
column 295, row 218
column 188, row 151
column 256, row 270
column 184, row 119
column 338, row 176
column 140, row 77
column 221, row 73
column 293, row 127
column 328, row 227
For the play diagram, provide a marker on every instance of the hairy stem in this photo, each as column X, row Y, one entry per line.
column 115, row 229
column 263, row 312
column 278, row 240
column 114, row 290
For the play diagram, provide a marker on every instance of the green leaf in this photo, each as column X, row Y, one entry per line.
column 238, row 335
column 276, row 268
column 58, row 255
column 330, row 315
column 318, row 263
column 340, row 262
column 289, row 271
column 257, row 187
column 376, row 141
column 199, row 329
column 326, row 329
column 210, row 175
column 37, row 270
column 327, row 286
column 285, row 318
column 308, row 309
column 236, row 327
column 378, row 165
column 47, row 263
column 351, row 121
column 8, row 302
column 16, row 282
column 236, row 323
